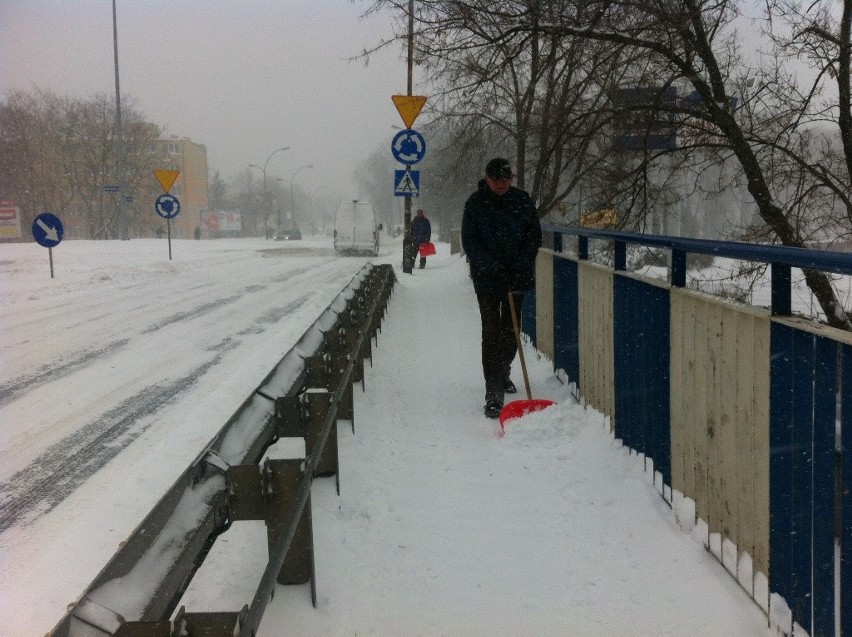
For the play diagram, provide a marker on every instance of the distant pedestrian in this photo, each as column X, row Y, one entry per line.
column 197, row 233
column 421, row 232
column 501, row 235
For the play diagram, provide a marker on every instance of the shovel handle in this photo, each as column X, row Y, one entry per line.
column 520, row 347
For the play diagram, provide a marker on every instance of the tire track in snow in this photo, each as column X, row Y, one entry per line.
column 64, row 466
column 10, row 390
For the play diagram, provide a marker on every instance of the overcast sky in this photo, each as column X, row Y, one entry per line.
column 242, row 77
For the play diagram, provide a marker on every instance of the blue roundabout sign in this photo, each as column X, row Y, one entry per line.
column 167, row 206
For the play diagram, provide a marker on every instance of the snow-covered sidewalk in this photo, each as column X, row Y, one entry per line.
column 445, row 527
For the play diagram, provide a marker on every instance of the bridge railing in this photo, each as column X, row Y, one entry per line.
column 743, row 412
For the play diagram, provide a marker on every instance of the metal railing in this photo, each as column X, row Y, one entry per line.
column 137, row 592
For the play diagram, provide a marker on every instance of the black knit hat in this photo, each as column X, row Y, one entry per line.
column 498, row 168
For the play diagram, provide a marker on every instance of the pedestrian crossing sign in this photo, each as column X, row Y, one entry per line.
column 406, row 183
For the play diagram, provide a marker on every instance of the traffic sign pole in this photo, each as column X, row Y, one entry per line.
column 48, row 232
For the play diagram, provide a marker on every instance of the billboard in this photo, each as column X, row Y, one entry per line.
column 221, row 220
column 601, row 218
column 10, row 220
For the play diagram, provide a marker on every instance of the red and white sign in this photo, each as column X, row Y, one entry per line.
column 10, row 220
column 221, row 220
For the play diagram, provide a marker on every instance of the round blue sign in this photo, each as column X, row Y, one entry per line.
column 47, row 230
column 167, row 206
column 408, row 146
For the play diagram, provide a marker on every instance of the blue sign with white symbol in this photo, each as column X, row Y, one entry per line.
column 406, row 183
column 47, row 230
column 167, row 206
column 408, row 146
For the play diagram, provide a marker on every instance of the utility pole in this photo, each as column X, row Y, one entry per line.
column 119, row 137
column 407, row 248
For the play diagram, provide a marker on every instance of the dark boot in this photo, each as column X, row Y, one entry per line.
column 493, row 405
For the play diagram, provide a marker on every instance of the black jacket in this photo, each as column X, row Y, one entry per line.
column 421, row 230
column 501, row 236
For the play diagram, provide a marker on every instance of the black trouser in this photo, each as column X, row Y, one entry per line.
column 498, row 340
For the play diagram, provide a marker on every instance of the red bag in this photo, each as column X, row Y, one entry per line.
column 426, row 249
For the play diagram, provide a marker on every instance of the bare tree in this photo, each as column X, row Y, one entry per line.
column 534, row 95
column 753, row 113
column 58, row 156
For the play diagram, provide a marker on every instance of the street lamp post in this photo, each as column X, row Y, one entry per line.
column 292, row 200
column 265, row 190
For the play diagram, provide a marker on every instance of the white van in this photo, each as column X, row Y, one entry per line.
column 355, row 228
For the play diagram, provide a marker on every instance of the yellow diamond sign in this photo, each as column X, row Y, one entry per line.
column 409, row 107
column 166, row 178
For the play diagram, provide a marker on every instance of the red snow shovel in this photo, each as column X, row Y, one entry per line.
column 518, row 408
column 426, row 249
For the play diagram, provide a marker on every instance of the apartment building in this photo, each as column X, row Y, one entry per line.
column 190, row 188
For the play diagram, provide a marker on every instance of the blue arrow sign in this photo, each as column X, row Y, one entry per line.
column 408, row 146
column 167, row 206
column 406, row 183
column 47, row 230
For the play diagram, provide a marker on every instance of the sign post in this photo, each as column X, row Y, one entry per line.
column 48, row 231
column 408, row 147
column 166, row 205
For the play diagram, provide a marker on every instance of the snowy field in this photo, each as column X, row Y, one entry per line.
column 118, row 371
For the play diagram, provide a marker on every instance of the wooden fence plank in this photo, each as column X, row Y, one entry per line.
column 728, row 424
column 689, row 383
column 744, row 438
column 702, row 381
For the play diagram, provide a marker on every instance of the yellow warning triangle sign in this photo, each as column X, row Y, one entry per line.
column 409, row 107
column 166, row 178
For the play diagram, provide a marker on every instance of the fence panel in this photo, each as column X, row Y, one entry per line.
column 565, row 318
column 802, row 497
column 641, row 322
column 595, row 290
column 719, row 413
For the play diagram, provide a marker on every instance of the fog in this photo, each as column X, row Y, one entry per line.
column 242, row 77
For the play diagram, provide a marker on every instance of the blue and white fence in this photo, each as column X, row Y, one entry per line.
column 746, row 412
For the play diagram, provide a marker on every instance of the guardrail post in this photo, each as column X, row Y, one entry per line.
column 319, row 403
column 282, row 478
column 290, row 419
column 209, row 624
column 346, row 406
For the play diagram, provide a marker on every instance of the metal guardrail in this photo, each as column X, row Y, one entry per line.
column 137, row 592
